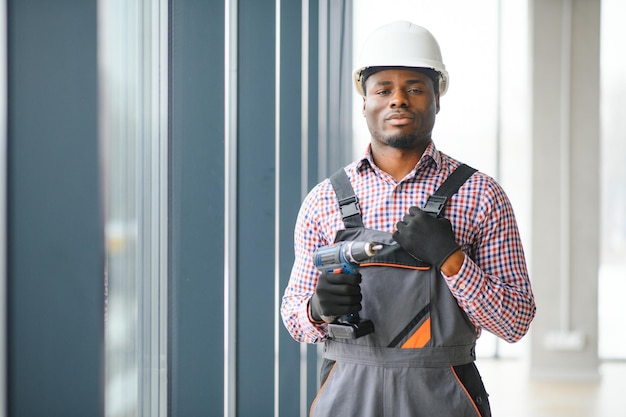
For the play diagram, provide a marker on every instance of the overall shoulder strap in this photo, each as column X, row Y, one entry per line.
column 348, row 203
column 450, row 186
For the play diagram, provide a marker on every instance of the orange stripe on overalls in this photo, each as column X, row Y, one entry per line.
column 420, row 338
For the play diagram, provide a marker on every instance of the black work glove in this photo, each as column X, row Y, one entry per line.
column 425, row 237
column 336, row 295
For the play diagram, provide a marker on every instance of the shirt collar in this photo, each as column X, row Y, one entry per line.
column 431, row 159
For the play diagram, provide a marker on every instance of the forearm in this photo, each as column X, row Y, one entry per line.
column 295, row 302
column 504, row 307
column 453, row 264
column 295, row 315
column 304, row 276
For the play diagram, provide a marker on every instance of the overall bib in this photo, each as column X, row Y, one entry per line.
column 420, row 359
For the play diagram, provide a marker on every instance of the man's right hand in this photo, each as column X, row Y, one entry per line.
column 336, row 295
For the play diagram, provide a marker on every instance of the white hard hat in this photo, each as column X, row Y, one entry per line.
column 401, row 44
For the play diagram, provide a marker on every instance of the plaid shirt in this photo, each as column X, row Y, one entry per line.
column 492, row 286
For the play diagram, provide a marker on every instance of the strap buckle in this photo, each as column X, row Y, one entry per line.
column 349, row 207
column 435, row 204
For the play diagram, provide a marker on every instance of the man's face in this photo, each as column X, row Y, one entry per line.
column 400, row 107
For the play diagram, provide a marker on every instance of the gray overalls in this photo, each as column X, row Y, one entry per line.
column 420, row 359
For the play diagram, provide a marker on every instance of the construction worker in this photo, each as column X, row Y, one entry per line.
column 451, row 265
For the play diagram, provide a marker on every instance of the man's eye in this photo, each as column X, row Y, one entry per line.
column 415, row 91
column 382, row 92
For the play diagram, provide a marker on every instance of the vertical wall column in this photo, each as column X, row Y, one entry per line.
column 565, row 48
column 3, row 207
column 335, row 86
column 292, row 116
column 55, row 239
column 256, row 211
column 196, row 351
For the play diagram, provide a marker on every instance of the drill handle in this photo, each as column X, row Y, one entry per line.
column 346, row 268
column 349, row 268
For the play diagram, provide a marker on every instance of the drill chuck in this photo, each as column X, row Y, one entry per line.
column 357, row 252
column 345, row 256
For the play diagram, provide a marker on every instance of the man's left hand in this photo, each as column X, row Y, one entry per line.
column 425, row 237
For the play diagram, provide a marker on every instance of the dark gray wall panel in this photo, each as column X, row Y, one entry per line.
column 290, row 113
column 256, row 211
column 55, row 234
column 197, row 208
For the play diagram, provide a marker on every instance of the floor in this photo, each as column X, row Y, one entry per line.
column 512, row 395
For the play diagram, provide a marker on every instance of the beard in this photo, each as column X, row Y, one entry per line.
column 402, row 141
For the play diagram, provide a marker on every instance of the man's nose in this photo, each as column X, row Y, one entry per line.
column 399, row 98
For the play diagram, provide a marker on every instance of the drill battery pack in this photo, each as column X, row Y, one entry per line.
column 350, row 330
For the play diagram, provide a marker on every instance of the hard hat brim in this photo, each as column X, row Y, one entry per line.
column 359, row 84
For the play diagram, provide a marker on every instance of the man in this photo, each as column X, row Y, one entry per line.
column 438, row 280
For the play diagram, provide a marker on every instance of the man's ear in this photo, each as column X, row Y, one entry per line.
column 437, row 102
column 363, row 110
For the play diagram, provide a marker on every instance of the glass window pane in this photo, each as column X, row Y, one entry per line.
column 612, row 279
column 133, row 86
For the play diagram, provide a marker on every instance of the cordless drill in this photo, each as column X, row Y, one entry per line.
column 345, row 258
